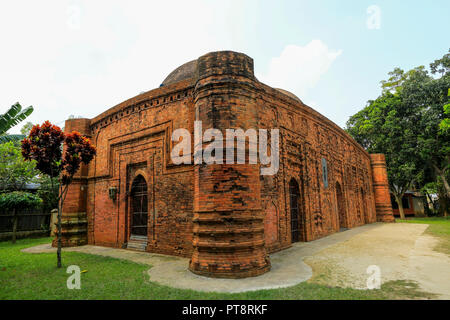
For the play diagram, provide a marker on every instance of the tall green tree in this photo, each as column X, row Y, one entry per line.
column 15, row 172
column 26, row 128
column 434, row 133
column 383, row 126
column 13, row 116
column 408, row 123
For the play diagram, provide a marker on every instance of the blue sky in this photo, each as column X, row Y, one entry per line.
column 83, row 57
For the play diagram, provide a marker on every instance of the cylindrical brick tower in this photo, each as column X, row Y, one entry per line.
column 73, row 217
column 228, row 220
column 381, row 188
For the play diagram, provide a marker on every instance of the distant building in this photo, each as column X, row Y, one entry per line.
column 413, row 204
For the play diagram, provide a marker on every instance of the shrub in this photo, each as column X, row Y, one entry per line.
column 18, row 200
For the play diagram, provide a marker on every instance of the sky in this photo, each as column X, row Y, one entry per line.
column 80, row 58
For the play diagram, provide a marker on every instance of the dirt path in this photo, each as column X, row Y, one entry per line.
column 400, row 250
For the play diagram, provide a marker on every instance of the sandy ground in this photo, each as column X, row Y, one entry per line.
column 401, row 251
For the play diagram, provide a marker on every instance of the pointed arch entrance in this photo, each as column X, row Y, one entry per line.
column 139, row 206
column 297, row 224
column 341, row 206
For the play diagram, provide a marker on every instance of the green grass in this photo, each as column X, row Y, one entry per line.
column 439, row 227
column 35, row 276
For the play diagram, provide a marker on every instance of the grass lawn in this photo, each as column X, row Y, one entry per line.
column 439, row 227
column 35, row 276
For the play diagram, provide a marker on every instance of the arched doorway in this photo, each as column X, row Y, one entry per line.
column 139, row 207
column 341, row 206
column 296, row 223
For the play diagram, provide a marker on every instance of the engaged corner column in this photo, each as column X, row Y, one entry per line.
column 381, row 188
column 228, row 234
column 74, row 223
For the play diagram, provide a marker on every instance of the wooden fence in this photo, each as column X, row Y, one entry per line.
column 24, row 223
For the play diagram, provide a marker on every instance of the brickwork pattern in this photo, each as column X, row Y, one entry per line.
column 226, row 218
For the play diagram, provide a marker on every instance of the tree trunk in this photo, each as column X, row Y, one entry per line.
column 441, row 175
column 443, row 204
column 15, row 218
column 398, row 199
column 58, row 251
column 62, row 197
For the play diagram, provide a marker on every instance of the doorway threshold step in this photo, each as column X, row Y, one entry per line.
column 138, row 243
column 136, row 237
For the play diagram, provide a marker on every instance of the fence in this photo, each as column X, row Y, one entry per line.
column 29, row 222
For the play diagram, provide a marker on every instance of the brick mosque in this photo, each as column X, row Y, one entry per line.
column 226, row 218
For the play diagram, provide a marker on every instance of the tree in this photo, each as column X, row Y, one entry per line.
column 25, row 131
column 432, row 95
column 16, row 201
column 428, row 189
column 444, row 126
column 384, row 126
column 409, row 123
column 10, row 118
column 44, row 146
column 15, row 172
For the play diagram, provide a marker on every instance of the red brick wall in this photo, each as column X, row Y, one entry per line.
column 138, row 142
column 225, row 217
column 381, row 188
column 306, row 138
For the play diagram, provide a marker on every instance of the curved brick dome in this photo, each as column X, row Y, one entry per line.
column 183, row 72
column 290, row 94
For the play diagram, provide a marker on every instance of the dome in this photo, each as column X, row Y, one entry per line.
column 290, row 94
column 188, row 69
column 183, row 72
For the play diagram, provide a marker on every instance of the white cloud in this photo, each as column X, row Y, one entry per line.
column 115, row 51
column 118, row 49
column 299, row 68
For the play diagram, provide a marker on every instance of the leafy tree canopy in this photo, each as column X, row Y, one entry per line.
column 409, row 122
column 18, row 200
column 26, row 128
column 15, row 172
